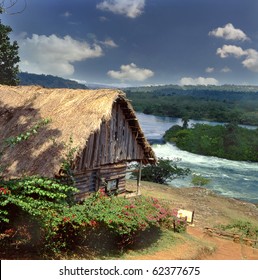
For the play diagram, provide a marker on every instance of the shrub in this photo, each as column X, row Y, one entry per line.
column 36, row 211
column 165, row 170
column 199, row 180
column 111, row 221
column 29, row 204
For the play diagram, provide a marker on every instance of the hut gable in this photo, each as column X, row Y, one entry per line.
column 101, row 123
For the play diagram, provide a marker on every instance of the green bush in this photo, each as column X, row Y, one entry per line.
column 29, row 205
column 115, row 221
column 162, row 172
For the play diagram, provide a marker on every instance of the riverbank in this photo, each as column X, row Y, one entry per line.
column 224, row 141
column 210, row 210
column 236, row 179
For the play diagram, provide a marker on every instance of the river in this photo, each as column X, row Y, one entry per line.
column 237, row 179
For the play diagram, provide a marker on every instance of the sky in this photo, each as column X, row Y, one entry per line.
column 138, row 42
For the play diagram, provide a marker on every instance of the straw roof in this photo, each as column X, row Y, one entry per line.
column 73, row 113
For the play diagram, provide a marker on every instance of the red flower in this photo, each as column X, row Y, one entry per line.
column 93, row 223
column 4, row 191
column 66, row 219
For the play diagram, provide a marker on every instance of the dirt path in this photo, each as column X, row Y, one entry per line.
column 225, row 250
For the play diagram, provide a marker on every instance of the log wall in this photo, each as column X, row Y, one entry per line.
column 116, row 141
column 107, row 151
column 94, row 179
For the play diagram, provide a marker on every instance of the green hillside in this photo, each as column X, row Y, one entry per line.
column 48, row 81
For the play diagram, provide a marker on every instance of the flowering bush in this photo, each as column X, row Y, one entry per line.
column 41, row 207
column 112, row 220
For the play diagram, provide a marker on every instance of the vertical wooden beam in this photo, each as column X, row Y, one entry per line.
column 139, row 177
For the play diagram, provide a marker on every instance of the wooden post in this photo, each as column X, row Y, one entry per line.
column 139, row 178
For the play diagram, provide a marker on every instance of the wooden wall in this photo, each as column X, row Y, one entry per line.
column 94, row 179
column 116, row 141
column 107, row 152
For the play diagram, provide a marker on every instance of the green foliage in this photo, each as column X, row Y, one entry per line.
column 111, row 221
column 199, row 180
column 228, row 141
column 216, row 103
column 67, row 161
column 8, row 57
column 14, row 140
column 35, row 196
column 25, row 136
column 243, row 228
column 165, row 170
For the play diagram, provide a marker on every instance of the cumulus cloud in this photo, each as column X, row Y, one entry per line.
column 54, row 55
column 186, row 81
column 229, row 32
column 209, row 69
column 251, row 60
column 131, row 72
column 227, row 50
column 129, row 8
column 250, row 56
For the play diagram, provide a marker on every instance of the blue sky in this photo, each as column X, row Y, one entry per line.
column 139, row 42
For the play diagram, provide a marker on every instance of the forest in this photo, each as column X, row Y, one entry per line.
column 225, row 141
column 48, row 81
column 213, row 103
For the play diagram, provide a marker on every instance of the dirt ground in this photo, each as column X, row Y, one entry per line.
column 209, row 210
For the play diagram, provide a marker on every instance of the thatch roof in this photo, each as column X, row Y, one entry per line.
column 73, row 113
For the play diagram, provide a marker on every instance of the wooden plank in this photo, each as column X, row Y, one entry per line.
column 96, row 149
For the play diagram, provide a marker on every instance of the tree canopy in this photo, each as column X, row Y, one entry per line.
column 9, row 57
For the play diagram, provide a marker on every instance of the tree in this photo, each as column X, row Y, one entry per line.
column 6, row 6
column 8, row 57
column 163, row 172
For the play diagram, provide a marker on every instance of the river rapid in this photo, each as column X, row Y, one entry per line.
column 237, row 179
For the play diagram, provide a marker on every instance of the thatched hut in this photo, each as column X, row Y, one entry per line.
column 100, row 125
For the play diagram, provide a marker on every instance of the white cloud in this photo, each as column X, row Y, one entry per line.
column 131, row 72
column 54, row 55
column 209, row 69
column 226, row 69
column 229, row 32
column 109, row 43
column 227, row 50
column 186, row 81
column 251, row 56
column 251, row 61
column 129, row 8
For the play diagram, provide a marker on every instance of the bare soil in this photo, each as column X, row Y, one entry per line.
column 210, row 210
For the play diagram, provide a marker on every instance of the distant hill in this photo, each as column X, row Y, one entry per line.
column 226, row 103
column 48, row 81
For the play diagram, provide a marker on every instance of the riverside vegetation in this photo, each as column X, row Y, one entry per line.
column 225, row 141
column 214, row 103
